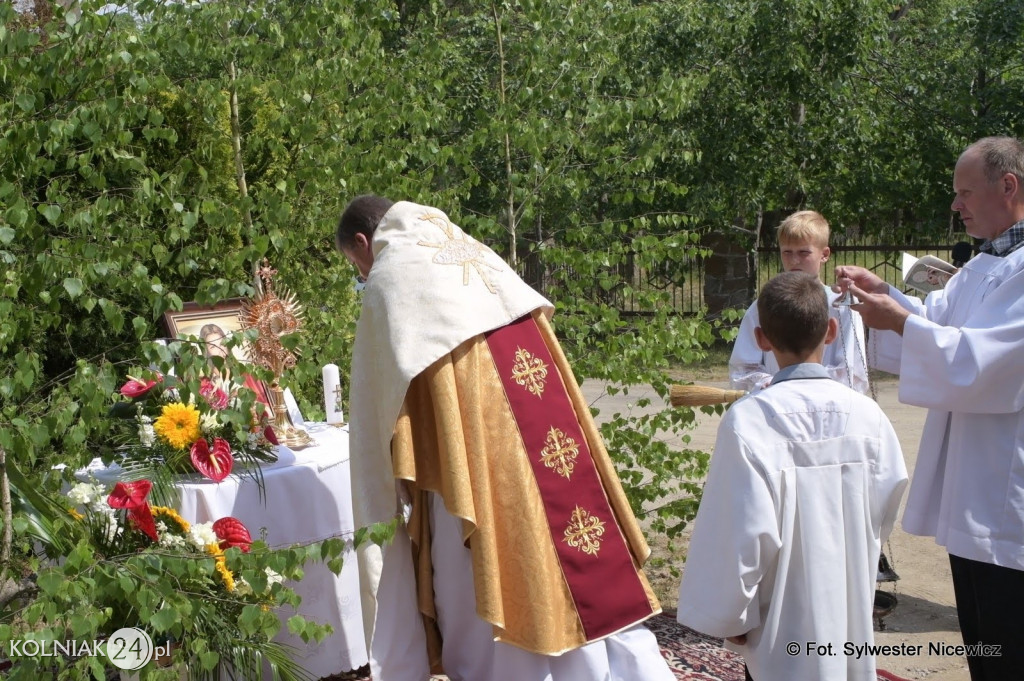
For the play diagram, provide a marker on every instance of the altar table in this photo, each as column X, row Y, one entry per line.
column 307, row 499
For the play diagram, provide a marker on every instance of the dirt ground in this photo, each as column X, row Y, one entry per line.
column 925, row 614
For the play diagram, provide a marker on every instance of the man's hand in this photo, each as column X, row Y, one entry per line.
column 862, row 278
column 879, row 311
column 876, row 308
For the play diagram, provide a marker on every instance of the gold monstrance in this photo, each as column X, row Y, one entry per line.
column 275, row 316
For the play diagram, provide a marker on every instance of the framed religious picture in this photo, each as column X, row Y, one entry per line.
column 212, row 326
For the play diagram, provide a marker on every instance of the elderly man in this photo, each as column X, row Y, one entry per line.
column 516, row 545
column 959, row 355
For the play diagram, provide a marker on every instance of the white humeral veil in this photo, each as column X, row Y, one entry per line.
column 431, row 288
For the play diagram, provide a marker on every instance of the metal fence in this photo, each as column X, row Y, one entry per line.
column 682, row 283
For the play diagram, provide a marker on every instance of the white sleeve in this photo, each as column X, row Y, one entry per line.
column 747, row 370
column 885, row 347
column 975, row 368
column 735, row 542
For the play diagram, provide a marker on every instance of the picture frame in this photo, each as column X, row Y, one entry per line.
column 204, row 321
column 213, row 324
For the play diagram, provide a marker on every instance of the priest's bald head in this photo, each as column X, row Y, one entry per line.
column 354, row 236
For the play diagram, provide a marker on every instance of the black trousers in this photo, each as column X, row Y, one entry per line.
column 990, row 605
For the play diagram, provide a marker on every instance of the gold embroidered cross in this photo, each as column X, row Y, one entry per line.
column 560, row 452
column 584, row 532
column 529, row 371
column 464, row 251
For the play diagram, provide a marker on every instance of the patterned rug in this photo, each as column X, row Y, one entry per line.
column 690, row 654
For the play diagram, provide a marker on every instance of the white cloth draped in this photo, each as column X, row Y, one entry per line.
column 307, row 500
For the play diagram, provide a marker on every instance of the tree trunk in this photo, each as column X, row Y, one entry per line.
column 243, row 190
column 510, row 194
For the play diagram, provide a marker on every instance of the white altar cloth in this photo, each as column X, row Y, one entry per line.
column 308, row 499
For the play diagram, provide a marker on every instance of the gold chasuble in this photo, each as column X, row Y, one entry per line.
column 499, row 428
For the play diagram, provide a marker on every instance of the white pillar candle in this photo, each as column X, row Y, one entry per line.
column 332, row 394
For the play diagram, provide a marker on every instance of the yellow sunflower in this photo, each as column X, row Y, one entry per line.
column 170, row 514
column 178, row 424
column 221, row 565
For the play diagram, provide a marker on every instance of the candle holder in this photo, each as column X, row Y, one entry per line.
column 275, row 316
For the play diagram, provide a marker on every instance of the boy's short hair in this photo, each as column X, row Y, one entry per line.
column 793, row 312
column 804, row 225
column 361, row 216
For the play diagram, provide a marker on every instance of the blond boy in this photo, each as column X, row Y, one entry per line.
column 803, row 245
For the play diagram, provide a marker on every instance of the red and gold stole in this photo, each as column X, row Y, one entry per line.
column 592, row 552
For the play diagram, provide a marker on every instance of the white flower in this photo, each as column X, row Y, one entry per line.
column 147, row 436
column 203, row 535
column 168, row 540
column 84, row 493
column 209, row 422
column 112, row 529
column 242, row 587
column 99, row 505
column 273, row 578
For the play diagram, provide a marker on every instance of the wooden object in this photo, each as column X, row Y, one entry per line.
column 701, row 395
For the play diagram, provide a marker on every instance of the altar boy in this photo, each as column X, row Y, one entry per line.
column 805, row 482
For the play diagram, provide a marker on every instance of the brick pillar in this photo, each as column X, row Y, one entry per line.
column 729, row 273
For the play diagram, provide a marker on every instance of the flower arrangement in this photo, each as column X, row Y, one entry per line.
column 192, row 423
column 207, row 586
column 159, row 528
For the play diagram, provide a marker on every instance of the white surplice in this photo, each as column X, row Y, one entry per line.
column 751, row 368
column 960, row 356
column 805, row 483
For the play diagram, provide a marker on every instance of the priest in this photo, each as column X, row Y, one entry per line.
column 958, row 354
column 516, row 555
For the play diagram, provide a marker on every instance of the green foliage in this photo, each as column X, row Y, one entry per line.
column 89, row 595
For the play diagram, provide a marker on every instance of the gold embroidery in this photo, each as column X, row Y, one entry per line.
column 529, row 371
column 464, row 251
column 584, row 532
column 560, row 452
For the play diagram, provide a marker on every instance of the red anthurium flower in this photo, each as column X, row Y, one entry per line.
column 213, row 463
column 130, row 495
column 232, row 532
column 142, row 519
column 215, row 397
column 270, row 435
column 136, row 387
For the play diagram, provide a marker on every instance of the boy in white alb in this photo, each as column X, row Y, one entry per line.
column 803, row 245
column 804, row 486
